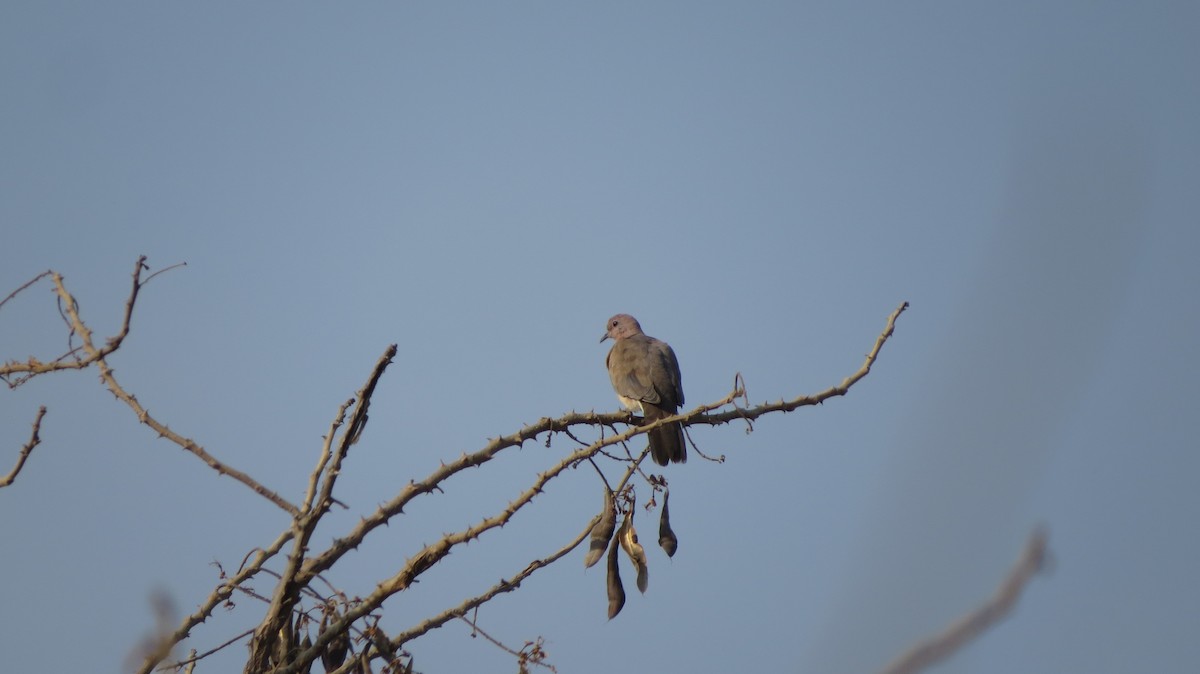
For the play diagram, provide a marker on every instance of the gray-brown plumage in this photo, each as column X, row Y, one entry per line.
column 645, row 374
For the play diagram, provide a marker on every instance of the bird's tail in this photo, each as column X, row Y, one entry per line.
column 666, row 442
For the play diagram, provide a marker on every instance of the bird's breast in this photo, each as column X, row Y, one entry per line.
column 631, row 404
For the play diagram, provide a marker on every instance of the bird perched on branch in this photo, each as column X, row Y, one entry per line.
column 645, row 375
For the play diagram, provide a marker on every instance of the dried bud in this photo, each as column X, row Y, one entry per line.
column 335, row 651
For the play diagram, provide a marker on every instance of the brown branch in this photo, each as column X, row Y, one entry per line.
column 287, row 592
column 34, row 441
column 970, row 626
column 505, row 585
column 34, row 367
column 193, row 657
column 99, row 357
column 521, row 655
column 433, row 553
column 803, row 401
column 430, row 555
column 218, row 595
column 28, row 283
column 358, row 421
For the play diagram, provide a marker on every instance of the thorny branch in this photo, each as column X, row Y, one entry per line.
column 433, row 553
column 33, row 367
column 532, row 655
column 26, row 449
column 98, row 355
column 301, row 568
column 287, row 592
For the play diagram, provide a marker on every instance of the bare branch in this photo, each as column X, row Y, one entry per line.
column 194, row 657
column 220, row 594
column 300, row 570
column 98, row 355
column 34, row 440
column 287, row 592
column 433, row 553
column 522, row 655
column 27, row 284
column 970, row 626
column 802, row 401
column 505, row 585
column 358, row 421
column 326, row 452
column 34, row 367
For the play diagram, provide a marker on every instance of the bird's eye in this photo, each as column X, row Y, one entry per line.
column 614, row 324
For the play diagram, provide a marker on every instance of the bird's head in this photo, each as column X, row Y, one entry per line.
column 621, row 326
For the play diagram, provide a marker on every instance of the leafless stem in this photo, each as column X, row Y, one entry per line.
column 971, row 625
column 98, row 355
column 287, row 592
column 220, row 594
column 26, row 449
column 505, row 585
column 476, row 629
column 300, row 569
column 193, row 657
column 27, row 284
column 433, row 553
column 34, row 367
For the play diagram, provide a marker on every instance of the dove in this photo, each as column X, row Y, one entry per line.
column 645, row 375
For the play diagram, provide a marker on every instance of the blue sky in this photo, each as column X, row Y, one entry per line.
column 485, row 183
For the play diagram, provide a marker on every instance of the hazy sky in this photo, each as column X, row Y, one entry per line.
column 485, row 183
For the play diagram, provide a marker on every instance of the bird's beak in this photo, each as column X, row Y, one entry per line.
column 604, row 338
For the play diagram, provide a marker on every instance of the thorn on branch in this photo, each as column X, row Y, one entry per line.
column 26, row 449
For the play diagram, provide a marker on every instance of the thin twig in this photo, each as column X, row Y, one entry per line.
column 520, row 655
column 287, row 591
column 433, row 553
column 193, row 657
column 220, row 594
column 505, row 585
column 99, row 357
column 28, row 283
column 26, row 449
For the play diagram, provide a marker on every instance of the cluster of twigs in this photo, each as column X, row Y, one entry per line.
column 347, row 635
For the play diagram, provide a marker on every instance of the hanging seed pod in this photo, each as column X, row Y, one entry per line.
column 284, row 646
column 616, row 593
column 602, row 532
column 335, row 651
column 666, row 537
column 363, row 666
column 637, row 554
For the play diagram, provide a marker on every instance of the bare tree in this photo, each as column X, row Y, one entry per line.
column 306, row 619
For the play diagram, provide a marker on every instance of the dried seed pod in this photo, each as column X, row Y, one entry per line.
column 666, row 537
column 363, row 666
column 335, row 651
column 284, row 648
column 602, row 532
column 616, row 593
column 637, row 554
